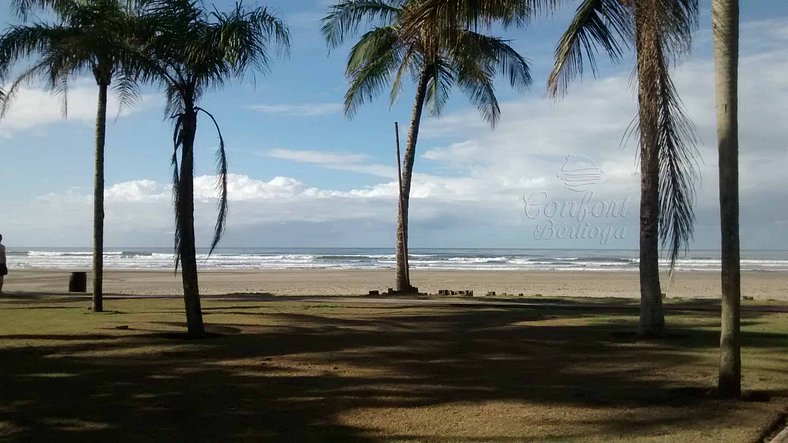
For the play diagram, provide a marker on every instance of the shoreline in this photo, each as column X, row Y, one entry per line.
column 760, row 285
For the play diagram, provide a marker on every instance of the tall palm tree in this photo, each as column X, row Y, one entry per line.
column 386, row 54
column 196, row 51
column 660, row 31
column 89, row 37
column 725, row 20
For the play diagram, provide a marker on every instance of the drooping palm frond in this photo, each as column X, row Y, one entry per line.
column 127, row 89
column 678, row 169
column 371, row 64
column 177, row 141
column 221, row 174
column 442, row 77
column 481, row 92
column 54, row 81
column 479, row 59
column 666, row 34
column 500, row 57
column 611, row 26
column 605, row 24
column 408, row 62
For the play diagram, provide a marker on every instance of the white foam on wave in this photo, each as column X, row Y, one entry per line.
column 337, row 259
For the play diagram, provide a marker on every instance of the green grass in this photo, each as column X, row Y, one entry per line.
column 296, row 371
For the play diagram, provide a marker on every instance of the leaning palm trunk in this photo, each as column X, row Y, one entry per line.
column 184, row 207
column 439, row 57
column 649, row 53
column 403, row 283
column 725, row 17
column 98, row 198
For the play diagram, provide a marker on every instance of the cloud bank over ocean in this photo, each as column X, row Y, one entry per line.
column 479, row 180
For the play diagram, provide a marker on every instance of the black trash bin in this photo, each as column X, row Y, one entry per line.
column 78, row 282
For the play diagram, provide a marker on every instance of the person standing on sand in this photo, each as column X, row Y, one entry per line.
column 3, row 267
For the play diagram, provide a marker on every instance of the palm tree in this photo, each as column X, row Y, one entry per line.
column 93, row 37
column 660, row 31
column 725, row 19
column 387, row 53
column 196, row 51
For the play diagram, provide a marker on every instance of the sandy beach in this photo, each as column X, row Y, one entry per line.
column 759, row 285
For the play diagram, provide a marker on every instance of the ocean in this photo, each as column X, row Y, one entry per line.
column 383, row 258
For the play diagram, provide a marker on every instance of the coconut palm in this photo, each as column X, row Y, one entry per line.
column 660, row 31
column 725, row 19
column 88, row 37
column 196, row 51
column 387, row 53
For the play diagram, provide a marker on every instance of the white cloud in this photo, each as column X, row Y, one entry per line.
column 334, row 160
column 137, row 191
column 318, row 157
column 302, row 110
column 477, row 199
column 34, row 108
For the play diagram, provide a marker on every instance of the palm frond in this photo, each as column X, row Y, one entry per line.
column 444, row 45
column 40, row 70
column 605, row 24
column 198, row 51
column 480, row 59
column 244, row 38
column 89, row 37
column 442, row 77
column 177, row 140
column 19, row 42
column 407, row 62
column 221, row 173
column 127, row 89
column 25, row 8
column 677, row 19
column 371, row 64
column 458, row 14
column 678, row 170
column 482, row 94
column 345, row 18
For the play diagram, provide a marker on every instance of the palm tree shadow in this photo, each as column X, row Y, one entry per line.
column 297, row 376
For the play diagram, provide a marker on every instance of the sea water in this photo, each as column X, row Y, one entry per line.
column 384, row 258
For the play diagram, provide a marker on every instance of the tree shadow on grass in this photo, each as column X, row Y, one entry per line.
column 296, row 376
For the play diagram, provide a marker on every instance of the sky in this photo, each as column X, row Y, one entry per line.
column 551, row 174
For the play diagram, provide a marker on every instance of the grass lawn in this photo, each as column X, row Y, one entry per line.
column 301, row 371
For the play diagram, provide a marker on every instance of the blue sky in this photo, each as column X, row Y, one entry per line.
column 305, row 175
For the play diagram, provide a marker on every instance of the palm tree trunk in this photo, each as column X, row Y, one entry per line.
column 725, row 19
column 403, row 283
column 652, row 318
column 98, row 199
column 185, row 208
